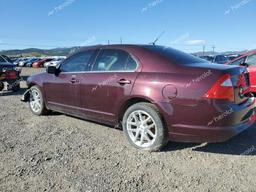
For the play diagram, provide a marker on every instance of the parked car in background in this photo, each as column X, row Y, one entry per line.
column 54, row 62
column 30, row 62
column 220, row 59
column 248, row 60
column 2, row 60
column 14, row 58
column 16, row 62
column 22, row 62
column 154, row 92
column 209, row 58
column 10, row 75
column 41, row 62
column 233, row 56
column 6, row 58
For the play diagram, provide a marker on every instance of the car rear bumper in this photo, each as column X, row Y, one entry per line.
column 241, row 118
column 209, row 134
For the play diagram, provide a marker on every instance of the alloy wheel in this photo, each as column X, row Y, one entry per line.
column 141, row 128
column 35, row 101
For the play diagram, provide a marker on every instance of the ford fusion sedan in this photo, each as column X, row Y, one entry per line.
column 156, row 94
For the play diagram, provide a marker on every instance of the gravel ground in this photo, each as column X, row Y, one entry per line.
column 63, row 153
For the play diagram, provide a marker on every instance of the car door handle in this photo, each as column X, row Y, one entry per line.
column 124, row 81
column 74, row 81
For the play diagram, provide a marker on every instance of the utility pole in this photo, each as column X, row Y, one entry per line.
column 108, row 42
column 121, row 40
column 203, row 50
column 213, row 49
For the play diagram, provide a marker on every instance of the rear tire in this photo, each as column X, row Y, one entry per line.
column 36, row 101
column 144, row 127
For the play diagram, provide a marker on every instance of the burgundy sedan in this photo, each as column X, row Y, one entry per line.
column 155, row 93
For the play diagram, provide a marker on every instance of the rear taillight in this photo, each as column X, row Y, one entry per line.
column 222, row 89
column 11, row 75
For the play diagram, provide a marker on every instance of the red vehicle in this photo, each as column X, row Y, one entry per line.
column 248, row 60
column 41, row 62
column 155, row 93
column 10, row 75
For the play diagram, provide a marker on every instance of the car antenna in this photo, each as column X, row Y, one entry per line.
column 154, row 42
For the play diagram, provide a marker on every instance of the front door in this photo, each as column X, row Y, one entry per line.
column 62, row 91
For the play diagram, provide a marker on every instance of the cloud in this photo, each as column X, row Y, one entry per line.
column 237, row 6
column 181, row 39
column 89, row 40
column 196, row 42
column 61, row 6
column 151, row 5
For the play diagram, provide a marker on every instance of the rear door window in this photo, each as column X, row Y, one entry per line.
column 114, row 60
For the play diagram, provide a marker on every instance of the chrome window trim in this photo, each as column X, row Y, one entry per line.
column 76, row 72
column 130, row 71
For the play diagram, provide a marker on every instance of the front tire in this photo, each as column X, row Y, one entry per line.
column 36, row 101
column 144, row 127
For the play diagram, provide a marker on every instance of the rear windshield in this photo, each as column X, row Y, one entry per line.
column 175, row 56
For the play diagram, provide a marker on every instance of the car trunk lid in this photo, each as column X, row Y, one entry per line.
column 226, row 82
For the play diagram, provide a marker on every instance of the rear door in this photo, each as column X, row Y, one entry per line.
column 62, row 91
column 110, row 81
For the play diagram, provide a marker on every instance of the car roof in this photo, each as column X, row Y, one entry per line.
column 6, row 64
column 109, row 46
column 113, row 46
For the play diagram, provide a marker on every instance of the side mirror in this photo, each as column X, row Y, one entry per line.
column 52, row 70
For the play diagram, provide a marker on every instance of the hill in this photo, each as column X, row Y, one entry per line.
column 40, row 52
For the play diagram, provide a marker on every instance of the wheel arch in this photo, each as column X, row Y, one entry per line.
column 33, row 83
column 131, row 101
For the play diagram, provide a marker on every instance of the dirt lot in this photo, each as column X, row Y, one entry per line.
column 62, row 153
